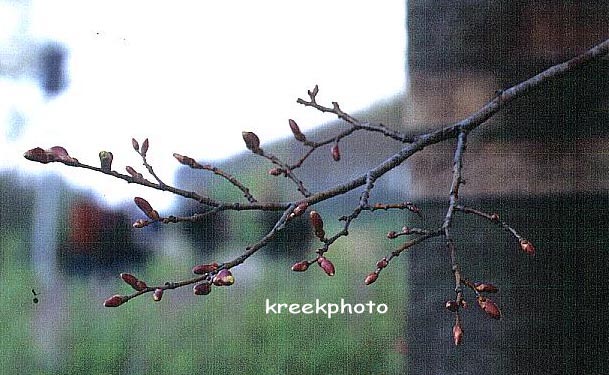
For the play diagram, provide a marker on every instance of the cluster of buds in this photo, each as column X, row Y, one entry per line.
column 140, row 150
column 53, row 154
column 485, row 303
column 382, row 263
column 324, row 263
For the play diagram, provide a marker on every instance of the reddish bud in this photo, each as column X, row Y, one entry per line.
column 371, row 278
column 457, row 334
column 37, row 154
column 299, row 210
column 144, row 148
column 224, row 278
column 300, row 266
column 452, row 306
column 296, row 131
column 134, row 173
column 494, row 217
column 186, row 160
column 204, row 268
column 202, row 289
column 489, row 307
column 105, row 159
column 527, row 247
column 382, row 263
column 252, row 142
column 275, row 171
column 318, row 224
column 326, row 265
column 486, row 287
column 463, row 303
column 335, row 151
column 135, row 144
column 53, row 154
column 157, row 295
column 114, row 301
column 391, row 235
column 146, row 208
column 135, row 283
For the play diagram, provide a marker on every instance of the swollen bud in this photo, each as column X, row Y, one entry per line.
column 157, row 295
column 489, row 307
column 382, row 263
column 144, row 148
column 335, row 151
column 202, row 289
column 486, row 287
column 300, row 266
column 146, row 208
column 252, row 142
column 275, row 171
column 224, row 278
column 457, row 334
column 296, row 131
column 527, row 247
column 134, row 173
column 392, row 234
column 318, row 224
column 114, row 301
column 135, row 283
column 135, row 144
column 204, row 268
column 371, row 278
column 326, row 265
column 105, row 159
column 299, row 210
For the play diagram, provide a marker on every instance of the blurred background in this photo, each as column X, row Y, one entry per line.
column 90, row 76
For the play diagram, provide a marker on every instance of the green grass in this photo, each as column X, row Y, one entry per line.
column 224, row 332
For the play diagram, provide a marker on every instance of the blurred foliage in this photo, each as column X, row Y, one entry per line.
column 227, row 331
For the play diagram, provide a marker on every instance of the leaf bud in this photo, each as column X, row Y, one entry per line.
column 135, row 144
column 486, row 287
column 326, row 265
column 457, row 334
column 371, row 278
column 296, row 131
column 114, row 301
column 204, row 268
column 202, row 289
column 489, row 307
column 144, row 148
column 391, row 235
column 105, row 159
column 335, row 151
column 158, row 294
column 382, row 263
column 146, row 208
column 252, row 142
column 299, row 210
column 300, row 266
column 527, row 247
column 224, row 278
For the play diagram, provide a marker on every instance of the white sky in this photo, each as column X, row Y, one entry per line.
column 191, row 75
